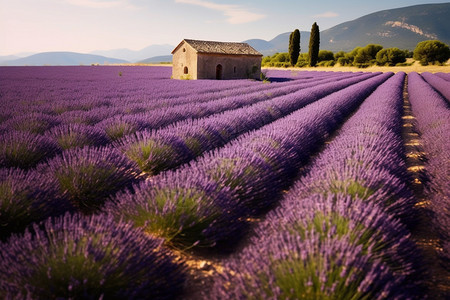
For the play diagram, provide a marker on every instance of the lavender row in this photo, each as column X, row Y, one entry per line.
column 99, row 107
column 439, row 84
column 78, row 180
column 433, row 123
column 321, row 247
column 96, row 257
column 102, row 87
column 110, row 82
column 92, row 110
column 445, row 76
column 82, row 179
column 18, row 151
column 160, row 150
column 330, row 238
column 366, row 159
column 208, row 201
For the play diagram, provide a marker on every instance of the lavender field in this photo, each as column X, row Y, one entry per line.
column 120, row 183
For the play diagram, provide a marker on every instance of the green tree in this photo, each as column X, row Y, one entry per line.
column 338, row 55
column 294, row 46
column 431, row 52
column 314, row 45
column 325, row 55
column 390, row 57
column 366, row 56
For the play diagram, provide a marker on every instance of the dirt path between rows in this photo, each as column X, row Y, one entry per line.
column 437, row 278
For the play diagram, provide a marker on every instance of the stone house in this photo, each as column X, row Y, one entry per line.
column 194, row 59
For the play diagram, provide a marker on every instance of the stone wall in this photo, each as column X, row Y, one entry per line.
column 185, row 56
column 218, row 66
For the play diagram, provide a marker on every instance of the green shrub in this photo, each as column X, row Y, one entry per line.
column 326, row 63
column 325, row 55
column 366, row 56
column 390, row 57
column 431, row 52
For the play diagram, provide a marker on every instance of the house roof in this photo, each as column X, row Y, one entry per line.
column 220, row 47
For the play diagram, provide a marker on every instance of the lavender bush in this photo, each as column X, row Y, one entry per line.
column 76, row 135
column 25, row 150
column 285, row 266
column 432, row 121
column 33, row 123
column 75, row 257
column 88, row 176
column 186, row 210
column 25, row 198
column 439, row 84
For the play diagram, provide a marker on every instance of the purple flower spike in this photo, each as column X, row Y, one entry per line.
column 121, row 125
column 77, row 135
column 33, row 123
column 154, row 153
column 185, row 209
column 88, row 176
column 25, row 150
column 26, row 198
column 285, row 266
column 76, row 257
column 244, row 172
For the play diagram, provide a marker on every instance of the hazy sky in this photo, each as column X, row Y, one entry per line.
column 88, row 25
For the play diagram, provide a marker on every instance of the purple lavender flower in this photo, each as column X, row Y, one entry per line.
column 121, row 125
column 26, row 198
column 77, row 135
column 186, row 210
column 24, row 149
column 285, row 266
column 33, row 123
column 365, row 223
column 88, row 258
column 154, row 153
column 88, row 176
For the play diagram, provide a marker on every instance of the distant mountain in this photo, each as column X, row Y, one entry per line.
column 135, row 56
column 156, row 59
column 400, row 27
column 62, row 59
column 4, row 59
column 279, row 44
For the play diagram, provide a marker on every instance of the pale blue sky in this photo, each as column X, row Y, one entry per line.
column 88, row 25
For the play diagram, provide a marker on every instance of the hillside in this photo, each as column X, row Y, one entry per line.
column 401, row 27
column 279, row 43
column 63, row 59
column 137, row 55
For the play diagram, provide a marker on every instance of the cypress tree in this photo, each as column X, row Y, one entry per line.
column 314, row 42
column 294, row 46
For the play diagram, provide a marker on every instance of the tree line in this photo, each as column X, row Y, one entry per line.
column 427, row 52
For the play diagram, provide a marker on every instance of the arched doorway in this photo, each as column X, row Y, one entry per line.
column 186, row 70
column 219, row 71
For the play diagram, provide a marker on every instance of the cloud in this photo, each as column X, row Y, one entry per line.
column 236, row 14
column 328, row 14
column 100, row 3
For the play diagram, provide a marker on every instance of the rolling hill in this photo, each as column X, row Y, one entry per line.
column 138, row 55
column 401, row 27
column 62, row 59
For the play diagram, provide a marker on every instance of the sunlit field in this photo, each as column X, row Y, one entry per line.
column 119, row 182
